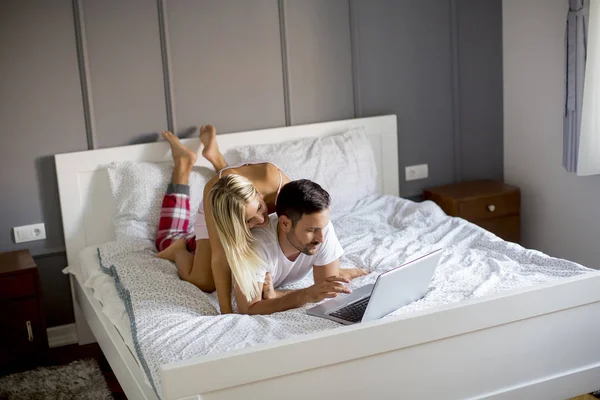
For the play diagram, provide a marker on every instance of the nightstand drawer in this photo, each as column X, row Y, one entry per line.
column 14, row 286
column 507, row 228
column 490, row 206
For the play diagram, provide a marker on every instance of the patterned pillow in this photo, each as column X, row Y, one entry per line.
column 343, row 164
column 138, row 189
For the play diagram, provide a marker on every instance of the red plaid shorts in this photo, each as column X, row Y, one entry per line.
column 175, row 222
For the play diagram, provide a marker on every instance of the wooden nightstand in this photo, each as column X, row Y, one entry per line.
column 22, row 321
column 493, row 205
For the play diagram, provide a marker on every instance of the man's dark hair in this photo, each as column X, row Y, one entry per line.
column 301, row 197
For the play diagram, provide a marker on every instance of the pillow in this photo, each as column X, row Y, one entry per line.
column 343, row 164
column 138, row 189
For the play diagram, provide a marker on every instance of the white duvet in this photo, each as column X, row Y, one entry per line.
column 172, row 320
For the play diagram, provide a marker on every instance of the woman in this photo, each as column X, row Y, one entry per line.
column 242, row 196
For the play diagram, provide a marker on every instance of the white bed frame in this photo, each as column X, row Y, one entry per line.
column 536, row 343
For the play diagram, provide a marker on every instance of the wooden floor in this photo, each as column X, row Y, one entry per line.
column 66, row 354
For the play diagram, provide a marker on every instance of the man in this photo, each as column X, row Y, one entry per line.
column 300, row 238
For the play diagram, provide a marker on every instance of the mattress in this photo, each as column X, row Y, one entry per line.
column 171, row 320
column 105, row 291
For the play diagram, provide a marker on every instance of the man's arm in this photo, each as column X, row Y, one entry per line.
column 322, row 272
column 328, row 288
column 332, row 250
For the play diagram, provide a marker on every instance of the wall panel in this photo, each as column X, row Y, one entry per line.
column 125, row 70
column 319, row 60
column 226, row 64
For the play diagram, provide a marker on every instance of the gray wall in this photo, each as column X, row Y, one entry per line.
column 319, row 60
column 124, row 69
column 405, row 67
column 437, row 65
column 226, row 64
column 83, row 74
column 480, row 88
column 560, row 210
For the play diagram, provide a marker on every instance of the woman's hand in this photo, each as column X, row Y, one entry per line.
column 268, row 291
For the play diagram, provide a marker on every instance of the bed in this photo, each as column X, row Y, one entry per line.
column 499, row 321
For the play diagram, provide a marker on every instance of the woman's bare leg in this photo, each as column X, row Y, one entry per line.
column 201, row 272
column 195, row 269
column 178, row 253
column 183, row 159
column 183, row 162
column 171, row 252
column 208, row 137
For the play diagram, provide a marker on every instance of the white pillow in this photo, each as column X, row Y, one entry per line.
column 138, row 189
column 343, row 164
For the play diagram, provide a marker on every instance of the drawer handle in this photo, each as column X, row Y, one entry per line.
column 491, row 208
column 29, row 331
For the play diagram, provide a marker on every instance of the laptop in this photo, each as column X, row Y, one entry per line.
column 392, row 289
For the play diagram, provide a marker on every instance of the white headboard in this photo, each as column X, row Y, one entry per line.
column 85, row 195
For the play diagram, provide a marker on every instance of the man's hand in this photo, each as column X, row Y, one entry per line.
column 352, row 273
column 326, row 289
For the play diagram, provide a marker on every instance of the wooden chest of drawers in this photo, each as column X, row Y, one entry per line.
column 22, row 321
column 493, row 205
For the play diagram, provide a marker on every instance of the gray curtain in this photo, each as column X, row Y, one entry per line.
column 576, row 48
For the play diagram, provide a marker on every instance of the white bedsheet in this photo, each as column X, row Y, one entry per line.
column 173, row 320
column 105, row 291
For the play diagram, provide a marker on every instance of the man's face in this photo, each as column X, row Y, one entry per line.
column 307, row 234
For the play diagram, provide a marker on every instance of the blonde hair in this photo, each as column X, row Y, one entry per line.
column 228, row 199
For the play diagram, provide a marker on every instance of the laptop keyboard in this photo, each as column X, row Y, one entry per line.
column 352, row 312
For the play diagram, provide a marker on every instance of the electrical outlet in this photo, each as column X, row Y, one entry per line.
column 415, row 172
column 28, row 233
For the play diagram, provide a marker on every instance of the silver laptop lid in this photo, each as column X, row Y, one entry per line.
column 401, row 286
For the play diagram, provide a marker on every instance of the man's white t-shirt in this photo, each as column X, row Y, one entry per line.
column 284, row 271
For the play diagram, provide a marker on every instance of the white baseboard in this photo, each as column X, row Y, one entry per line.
column 62, row 335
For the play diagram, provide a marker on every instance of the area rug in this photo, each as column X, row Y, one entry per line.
column 81, row 379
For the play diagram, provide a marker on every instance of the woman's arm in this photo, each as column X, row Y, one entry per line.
column 218, row 262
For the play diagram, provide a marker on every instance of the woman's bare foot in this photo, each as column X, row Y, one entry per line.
column 352, row 273
column 170, row 252
column 268, row 289
column 181, row 154
column 208, row 137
